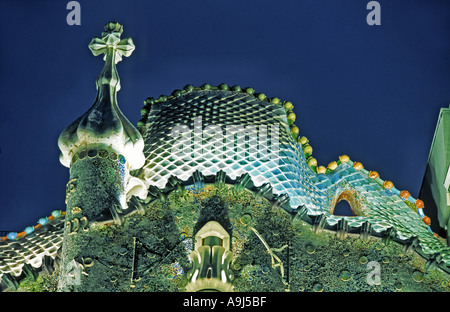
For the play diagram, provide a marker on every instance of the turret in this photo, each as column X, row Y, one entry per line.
column 101, row 148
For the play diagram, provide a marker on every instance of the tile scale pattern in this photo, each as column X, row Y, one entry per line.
column 289, row 174
column 31, row 249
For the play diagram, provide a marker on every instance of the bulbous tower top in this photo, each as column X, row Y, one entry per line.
column 104, row 124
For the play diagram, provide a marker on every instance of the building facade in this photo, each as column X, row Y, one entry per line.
column 215, row 189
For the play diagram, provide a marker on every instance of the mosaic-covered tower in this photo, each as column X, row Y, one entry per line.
column 100, row 148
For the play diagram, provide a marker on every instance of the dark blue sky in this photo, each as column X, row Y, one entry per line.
column 371, row 92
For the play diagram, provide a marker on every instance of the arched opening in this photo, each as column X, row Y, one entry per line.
column 343, row 209
column 346, row 205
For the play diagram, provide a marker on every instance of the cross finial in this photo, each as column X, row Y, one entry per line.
column 113, row 47
column 110, row 42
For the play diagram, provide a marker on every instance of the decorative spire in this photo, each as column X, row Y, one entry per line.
column 113, row 47
column 104, row 124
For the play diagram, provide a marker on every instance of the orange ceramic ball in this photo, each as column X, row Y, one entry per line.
column 419, row 204
column 321, row 170
column 404, row 194
column 427, row 220
column 388, row 185
column 332, row 165
column 358, row 165
column 344, row 158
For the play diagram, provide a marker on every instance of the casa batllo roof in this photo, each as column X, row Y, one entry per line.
column 292, row 180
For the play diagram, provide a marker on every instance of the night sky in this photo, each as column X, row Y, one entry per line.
column 371, row 92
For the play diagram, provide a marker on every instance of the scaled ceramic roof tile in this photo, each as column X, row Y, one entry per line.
column 31, row 249
column 289, row 174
